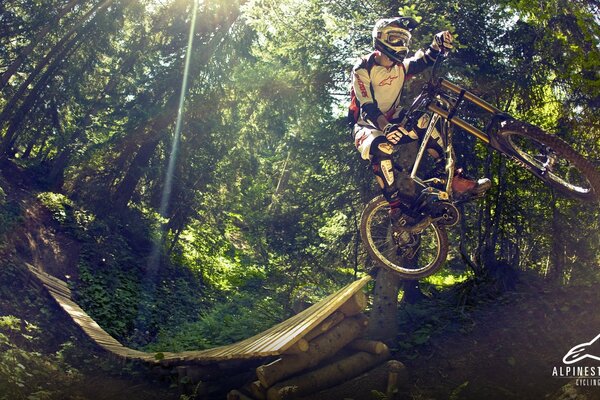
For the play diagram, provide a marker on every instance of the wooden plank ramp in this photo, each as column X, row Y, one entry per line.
column 272, row 342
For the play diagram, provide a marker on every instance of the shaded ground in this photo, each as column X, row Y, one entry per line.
column 42, row 354
column 507, row 348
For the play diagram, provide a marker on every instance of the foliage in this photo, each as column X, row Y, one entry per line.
column 33, row 349
column 26, row 374
column 446, row 311
column 58, row 204
column 227, row 322
column 111, row 275
column 10, row 216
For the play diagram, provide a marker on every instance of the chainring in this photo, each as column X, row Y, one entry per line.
column 444, row 213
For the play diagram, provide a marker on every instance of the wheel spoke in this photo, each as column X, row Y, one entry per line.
column 381, row 240
column 552, row 165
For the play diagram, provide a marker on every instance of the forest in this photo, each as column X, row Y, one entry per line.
column 187, row 167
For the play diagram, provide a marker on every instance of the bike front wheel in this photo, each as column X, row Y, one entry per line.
column 377, row 235
column 551, row 159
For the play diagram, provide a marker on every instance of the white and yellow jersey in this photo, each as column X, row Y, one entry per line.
column 378, row 89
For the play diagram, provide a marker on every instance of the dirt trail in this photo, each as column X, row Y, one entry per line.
column 512, row 348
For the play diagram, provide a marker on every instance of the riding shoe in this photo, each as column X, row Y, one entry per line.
column 464, row 186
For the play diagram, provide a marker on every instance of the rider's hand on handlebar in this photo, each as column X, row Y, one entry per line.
column 395, row 133
column 442, row 41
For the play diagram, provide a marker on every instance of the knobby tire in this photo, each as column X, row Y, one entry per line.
column 561, row 148
column 379, row 204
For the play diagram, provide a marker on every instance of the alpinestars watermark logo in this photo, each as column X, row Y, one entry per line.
column 583, row 375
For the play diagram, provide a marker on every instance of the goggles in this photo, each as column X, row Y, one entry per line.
column 398, row 38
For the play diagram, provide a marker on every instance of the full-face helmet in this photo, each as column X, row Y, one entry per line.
column 391, row 36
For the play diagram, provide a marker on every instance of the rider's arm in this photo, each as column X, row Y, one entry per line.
column 420, row 61
column 369, row 110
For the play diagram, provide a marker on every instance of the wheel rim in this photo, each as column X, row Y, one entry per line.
column 552, row 166
column 379, row 239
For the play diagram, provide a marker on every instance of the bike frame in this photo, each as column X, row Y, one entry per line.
column 442, row 100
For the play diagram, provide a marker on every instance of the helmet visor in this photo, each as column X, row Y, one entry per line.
column 398, row 38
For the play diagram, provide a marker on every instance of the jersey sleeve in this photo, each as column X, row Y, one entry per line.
column 420, row 61
column 361, row 83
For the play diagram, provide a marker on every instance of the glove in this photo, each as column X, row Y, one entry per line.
column 442, row 41
column 392, row 133
column 395, row 133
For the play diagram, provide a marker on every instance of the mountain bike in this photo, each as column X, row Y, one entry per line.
column 425, row 243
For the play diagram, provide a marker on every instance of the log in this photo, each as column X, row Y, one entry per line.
column 326, row 376
column 397, row 376
column 237, row 395
column 181, row 372
column 363, row 386
column 258, row 391
column 299, row 347
column 326, row 325
column 355, row 304
column 319, row 349
column 370, row 346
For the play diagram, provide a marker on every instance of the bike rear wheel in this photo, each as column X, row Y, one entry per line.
column 377, row 235
column 551, row 159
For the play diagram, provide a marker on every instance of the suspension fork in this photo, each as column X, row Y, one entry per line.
column 450, row 163
column 429, row 190
column 430, row 128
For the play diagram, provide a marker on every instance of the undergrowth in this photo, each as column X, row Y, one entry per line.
column 117, row 286
column 226, row 322
column 29, row 374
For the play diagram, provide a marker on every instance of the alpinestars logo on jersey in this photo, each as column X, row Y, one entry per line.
column 388, row 80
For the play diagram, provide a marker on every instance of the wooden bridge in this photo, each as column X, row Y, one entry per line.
column 272, row 342
column 313, row 351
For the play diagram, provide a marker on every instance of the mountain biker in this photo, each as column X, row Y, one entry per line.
column 377, row 82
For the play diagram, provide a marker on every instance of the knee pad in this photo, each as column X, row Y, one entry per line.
column 381, row 149
column 383, row 167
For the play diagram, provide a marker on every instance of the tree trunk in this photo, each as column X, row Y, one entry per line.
column 498, row 212
column 326, row 325
column 383, row 319
column 258, row 391
column 370, row 346
column 354, row 305
column 33, row 96
column 488, row 251
column 36, row 137
column 136, row 170
column 59, row 48
column 412, row 292
column 557, row 246
column 25, row 51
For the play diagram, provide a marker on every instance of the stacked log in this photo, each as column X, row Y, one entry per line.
column 322, row 347
column 333, row 352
